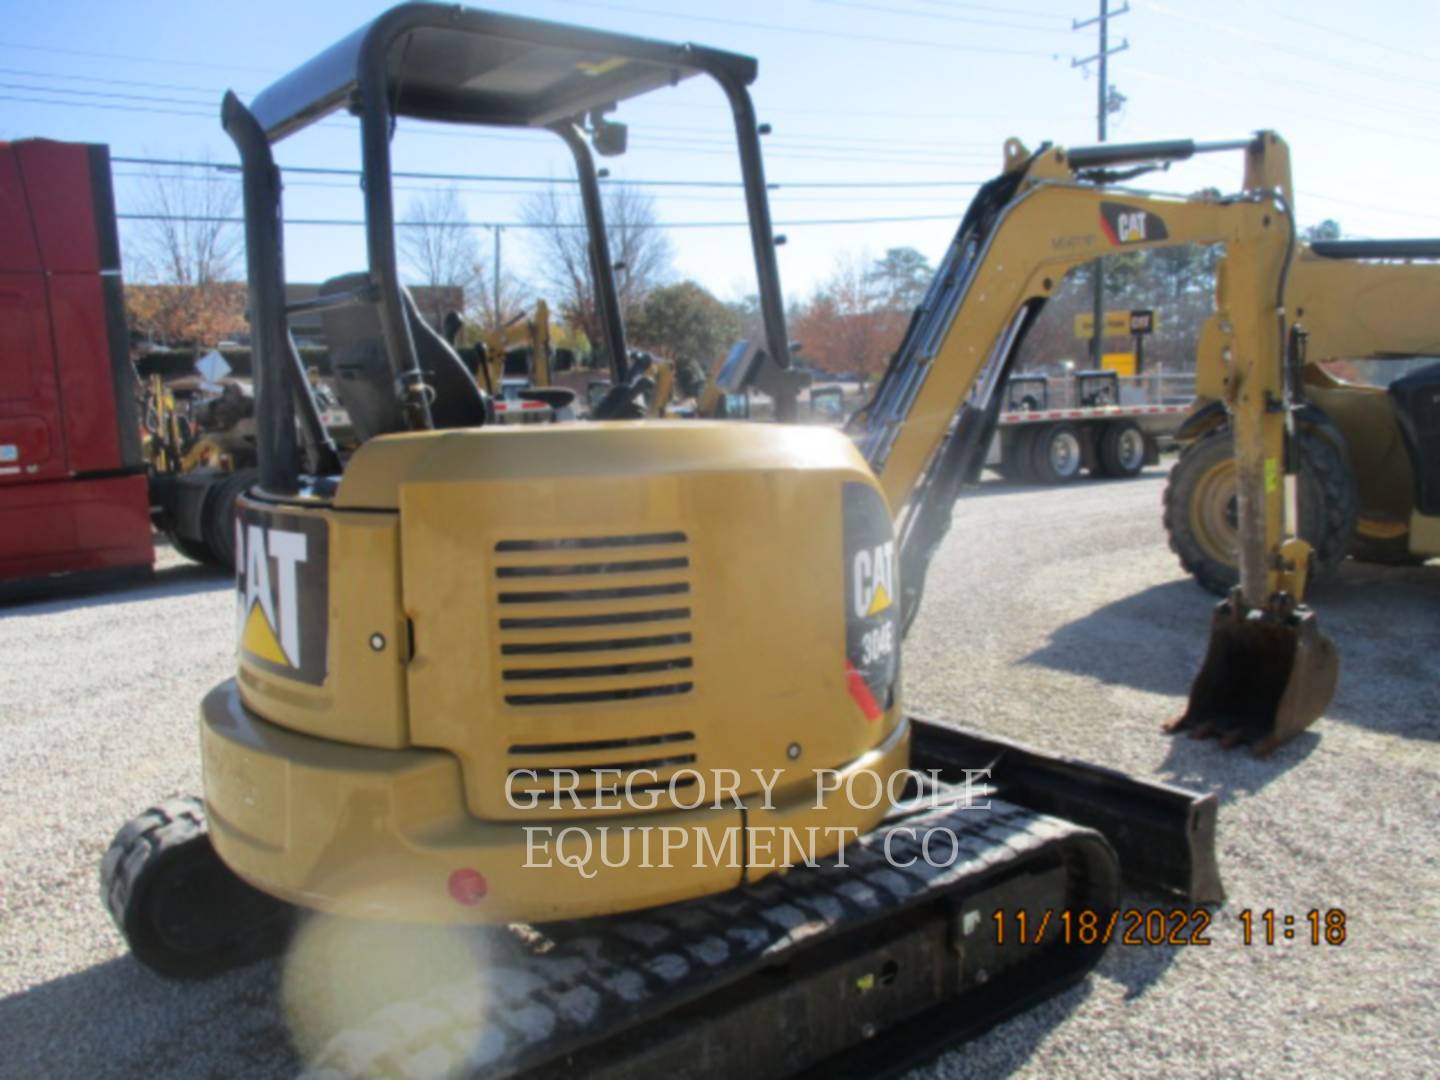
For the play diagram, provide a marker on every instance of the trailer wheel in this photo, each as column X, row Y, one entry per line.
column 194, row 550
column 1201, row 515
column 1014, row 464
column 219, row 521
column 1055, row 454
column 1122, row 450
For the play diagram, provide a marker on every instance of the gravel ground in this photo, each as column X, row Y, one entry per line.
column 1058, row 618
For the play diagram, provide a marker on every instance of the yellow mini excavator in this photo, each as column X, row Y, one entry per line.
column 628, row 692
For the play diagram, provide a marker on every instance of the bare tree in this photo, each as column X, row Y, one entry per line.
column 639, row 249
column 189, row 236
column 183, row 259
column 440, row 250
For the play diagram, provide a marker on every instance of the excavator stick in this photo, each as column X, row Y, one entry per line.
column 1269, row 673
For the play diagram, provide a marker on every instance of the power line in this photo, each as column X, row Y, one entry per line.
column 207, row 65
column 966, row 19
column 426, row 133
column 201, row 219
column 1006, row 10
column 799, row 147
column 112, row 108
column 733, row 200
column 989, row 144
column 1327, row 118
column 1407, row 82
column 1350, row 35
column 808, row 31
column 217, row 92
column 317, row 170
column 215, row 112
column 1405, row 212
column 106, row 80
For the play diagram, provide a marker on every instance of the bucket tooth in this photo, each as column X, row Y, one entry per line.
column 1269, row 673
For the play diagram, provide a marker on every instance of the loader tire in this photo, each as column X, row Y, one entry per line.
column 219, row 524
column 1384, row 551
column 183, row 912
column 194, row 550
column 1200, row 512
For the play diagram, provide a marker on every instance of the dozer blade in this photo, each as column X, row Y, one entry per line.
column 1164, row 835
column 1269, row 673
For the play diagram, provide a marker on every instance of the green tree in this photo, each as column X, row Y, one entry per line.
column 900, row 278
column 1329, row 229
column 752, row 323
column 686, row 324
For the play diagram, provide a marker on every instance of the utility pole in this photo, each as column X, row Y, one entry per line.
column 495, row 281
column 1106, row 102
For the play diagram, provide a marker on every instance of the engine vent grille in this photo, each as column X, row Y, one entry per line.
column 594, row 619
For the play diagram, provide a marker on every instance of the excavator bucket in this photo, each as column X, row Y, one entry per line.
column 1269, row 673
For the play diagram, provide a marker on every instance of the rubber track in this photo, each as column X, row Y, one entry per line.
column 173, row 822
column 597, row 978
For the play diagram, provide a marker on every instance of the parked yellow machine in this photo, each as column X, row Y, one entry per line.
column 612, row 634
column 1369, row 469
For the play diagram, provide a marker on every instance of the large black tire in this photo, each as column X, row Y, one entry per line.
column 1385, row 551
column 1121, row 454
column 1200, row 507
column 1015, row 466
column 1055, row 455
column 219, row 523
column 194, row 550
column 183, row 912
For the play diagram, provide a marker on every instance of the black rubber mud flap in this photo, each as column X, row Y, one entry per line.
column 1164, row 835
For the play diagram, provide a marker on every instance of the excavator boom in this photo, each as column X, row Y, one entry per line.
column 1269, row 671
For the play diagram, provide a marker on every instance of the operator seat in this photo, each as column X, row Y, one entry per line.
column 365, row 381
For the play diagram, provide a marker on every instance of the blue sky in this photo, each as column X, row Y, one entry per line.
column 879, row 91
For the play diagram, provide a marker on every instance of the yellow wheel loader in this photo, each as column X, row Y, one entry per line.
column 628, row 692
column 1368, row 470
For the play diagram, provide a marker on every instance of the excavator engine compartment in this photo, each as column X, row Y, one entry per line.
column 612, row 588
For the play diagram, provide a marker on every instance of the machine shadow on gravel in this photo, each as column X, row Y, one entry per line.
column 1202, row 764
column 1382, row 618
column 1006, row 1048
column 116, row 1019
column 52, row 597
column 992, row 483
column 1138, row 969
column 1151, row 640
